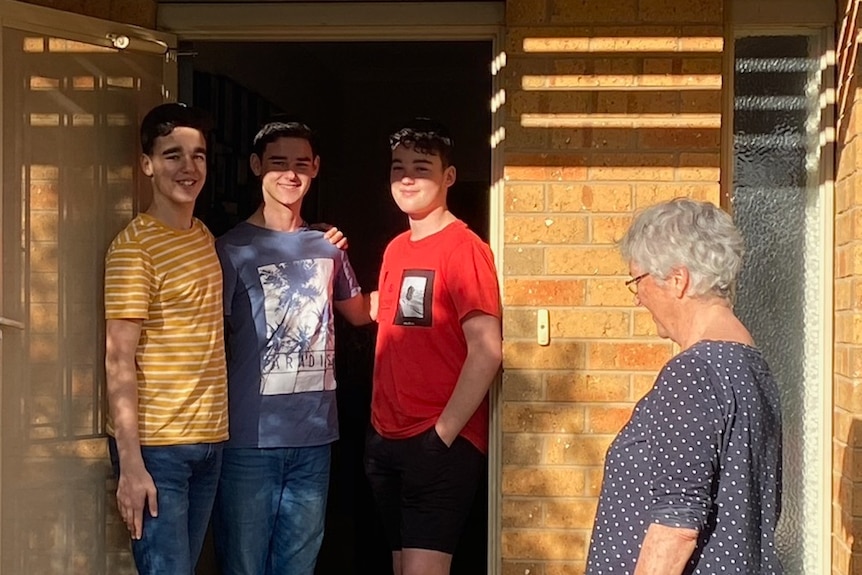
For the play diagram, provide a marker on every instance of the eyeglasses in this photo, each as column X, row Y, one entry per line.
column 632, row 284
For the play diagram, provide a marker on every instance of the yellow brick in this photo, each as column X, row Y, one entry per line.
column 526, row 102
column 519, row 323
column 612, row 139
column 549, row 545
column 542, row 481
column 525, row 198
column 556, row 229
column 523, row 261
column 634, row 356
column 672, row 11
column 612, row 103
column 608, row 292
column 593, row 12
column 566, row 138
column 679, row 138
column 571, row 513
column 631, row 173
column 608, row 229
column 603, row 66
column 523, row 567
column 541, row 173
column 524, row 137
column 594, row 481
column 540, row 292
column 522, row 449
column 590, row 197
column 587, row 387
column 607, row 419
column 557, row 44
column 565, row 567
column 644, row 324
column 526, row 12
column 577, row 449
column 523, row 385
column 658, row 65
column 641, row 384
column 702, row 174
column 585, row 261
column 521, row 513
column 585, row 323
column 654, row 102
column 843, row 228
column 704, row 44
column 542, row 418
column 701, row 65
column 528, row 355
column 650, row 194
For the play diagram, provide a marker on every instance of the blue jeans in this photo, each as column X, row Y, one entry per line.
column 270, row 510
column 186, row 478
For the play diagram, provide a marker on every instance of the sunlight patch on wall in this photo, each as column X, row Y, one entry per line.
column 625, row 44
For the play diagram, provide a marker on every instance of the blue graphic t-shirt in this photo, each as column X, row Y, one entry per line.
column 278, row 294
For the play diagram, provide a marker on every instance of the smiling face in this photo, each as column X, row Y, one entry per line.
column 177, row 166
column 418, row 181
column 286, row 170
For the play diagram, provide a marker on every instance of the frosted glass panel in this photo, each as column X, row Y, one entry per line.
column 777, row 205
column 69, row 184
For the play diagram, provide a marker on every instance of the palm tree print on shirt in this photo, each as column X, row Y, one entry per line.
column 300, row 344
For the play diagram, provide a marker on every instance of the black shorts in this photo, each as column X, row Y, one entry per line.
column 423, row 489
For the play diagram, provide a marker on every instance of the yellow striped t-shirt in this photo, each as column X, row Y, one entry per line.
column 171, row 279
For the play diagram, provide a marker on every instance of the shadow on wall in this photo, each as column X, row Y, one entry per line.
column 847, row 543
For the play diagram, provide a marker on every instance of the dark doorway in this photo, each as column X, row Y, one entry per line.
column 353, row 94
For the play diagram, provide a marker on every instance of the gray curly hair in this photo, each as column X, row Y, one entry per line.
column 687, row 233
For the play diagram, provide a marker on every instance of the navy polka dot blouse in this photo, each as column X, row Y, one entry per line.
column 701, row 451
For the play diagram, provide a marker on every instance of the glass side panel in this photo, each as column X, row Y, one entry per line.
column 777, row 205
column 70, row 183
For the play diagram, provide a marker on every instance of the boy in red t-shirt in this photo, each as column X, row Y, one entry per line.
column 439, row 348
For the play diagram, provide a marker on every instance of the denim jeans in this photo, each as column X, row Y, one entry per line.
column 270, row 510
column 186, row 478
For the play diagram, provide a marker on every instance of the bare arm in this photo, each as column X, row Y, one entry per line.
column 135, row 487
column 484, row 354
column 356, row 310
column 665, row 550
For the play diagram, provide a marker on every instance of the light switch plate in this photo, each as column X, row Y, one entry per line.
column 543, row 327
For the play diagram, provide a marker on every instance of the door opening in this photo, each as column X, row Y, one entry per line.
column 353, row 94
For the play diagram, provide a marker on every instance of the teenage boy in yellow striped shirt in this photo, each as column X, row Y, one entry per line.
column 164, row 356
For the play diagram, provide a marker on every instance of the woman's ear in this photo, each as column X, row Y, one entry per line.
column 680, row 281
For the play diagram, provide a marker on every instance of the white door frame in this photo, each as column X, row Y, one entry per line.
column 816, row 18
column 386, row 22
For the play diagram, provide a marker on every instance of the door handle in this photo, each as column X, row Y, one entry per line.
column 7, row 322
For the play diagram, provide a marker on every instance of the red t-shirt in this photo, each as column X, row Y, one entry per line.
column 426, row 288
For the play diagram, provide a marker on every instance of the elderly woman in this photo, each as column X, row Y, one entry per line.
column 692, row 483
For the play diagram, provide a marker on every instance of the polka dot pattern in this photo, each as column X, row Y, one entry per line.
column 701, row 451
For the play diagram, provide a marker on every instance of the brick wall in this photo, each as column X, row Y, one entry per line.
column 611, row 106
column 137, row 12
column 847, row 412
